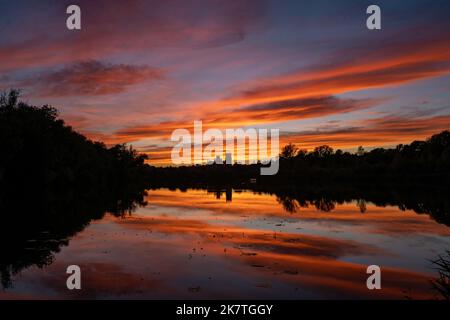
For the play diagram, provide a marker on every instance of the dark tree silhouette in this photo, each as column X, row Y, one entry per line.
column 39, row 150
column 289, row 151
column 54, row 181
column 421, row 163
column 323, row 151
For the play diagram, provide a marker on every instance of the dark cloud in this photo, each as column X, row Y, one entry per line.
column 313, row 106
column 91, row 78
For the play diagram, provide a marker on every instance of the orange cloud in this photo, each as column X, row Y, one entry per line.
column 383, row 131
column 251, row 115
column 391, row 65
column 389, row 130
column 311, row 94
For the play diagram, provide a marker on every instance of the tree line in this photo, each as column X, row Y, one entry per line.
column 417, row 163
column 39, row 151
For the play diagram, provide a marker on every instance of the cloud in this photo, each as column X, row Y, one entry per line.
column 352, row 68
column 383, row 131
column 91, row 78
column 345, row 81
column 303, row 108
column 387, row 130
column 110, row 27
column 231, row 64
column 254, row 114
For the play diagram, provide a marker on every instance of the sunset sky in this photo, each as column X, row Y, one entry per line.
column 140, row 69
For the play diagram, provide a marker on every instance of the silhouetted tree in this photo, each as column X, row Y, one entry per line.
column 323, row 151
column 289, row 151
column 360, row 152
column 39, row 150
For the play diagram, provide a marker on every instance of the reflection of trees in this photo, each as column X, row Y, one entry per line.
column 38, row 225
column 442, row 283
column 289, row 204
column 434, row 202
column 361, row 205
column 292, row 205
column 325, row 205
column 431, row 201
column 218, row 192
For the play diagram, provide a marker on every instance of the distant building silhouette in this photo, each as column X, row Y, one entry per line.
column 218, row 160
column 228, row 159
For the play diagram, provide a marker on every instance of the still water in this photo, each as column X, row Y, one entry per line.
column 234, row 244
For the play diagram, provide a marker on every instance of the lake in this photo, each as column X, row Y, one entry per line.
column 233, row 244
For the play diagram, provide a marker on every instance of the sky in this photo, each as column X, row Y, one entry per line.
column 137, row 70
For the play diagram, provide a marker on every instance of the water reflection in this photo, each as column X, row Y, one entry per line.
column 35, row 226
column 227, row 243
column 434, row 202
